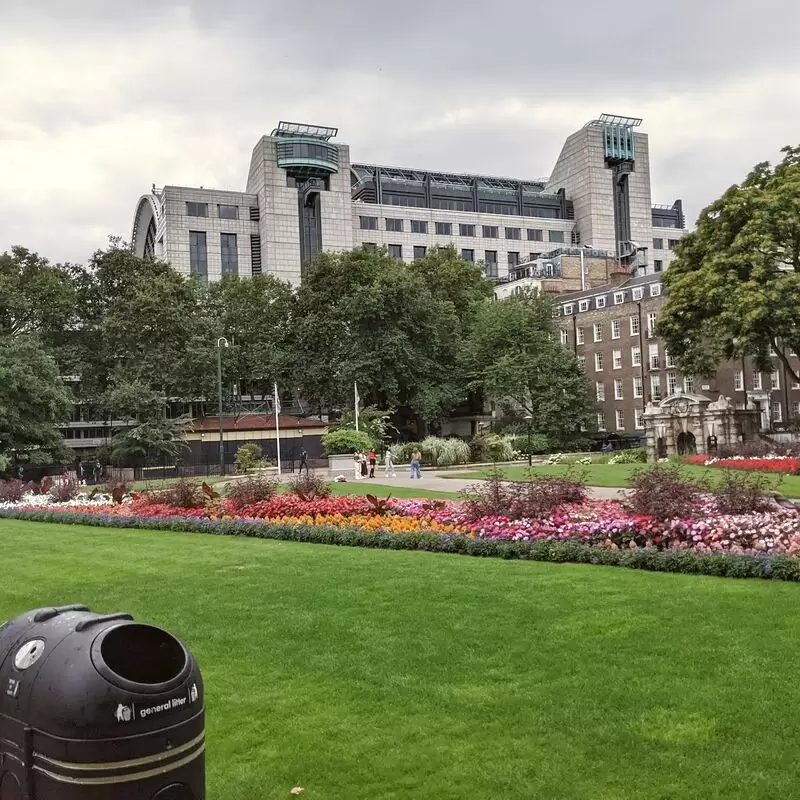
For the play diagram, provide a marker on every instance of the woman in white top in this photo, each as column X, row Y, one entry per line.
column 357, row 465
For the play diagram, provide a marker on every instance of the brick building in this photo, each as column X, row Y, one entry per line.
column 612, row 331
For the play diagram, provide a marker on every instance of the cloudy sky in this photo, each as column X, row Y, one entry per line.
column 99, row 99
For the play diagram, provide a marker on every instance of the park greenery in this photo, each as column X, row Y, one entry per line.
column 131, row 340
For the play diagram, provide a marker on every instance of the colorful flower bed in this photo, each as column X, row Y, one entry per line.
column 786, row 465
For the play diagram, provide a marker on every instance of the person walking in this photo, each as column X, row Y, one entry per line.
column 388, row 461
column 357, row 465
column 363, row 458
column 416, row 457
column 303, row 461
column 373, row 460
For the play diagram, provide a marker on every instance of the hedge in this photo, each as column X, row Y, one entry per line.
column 784, row 568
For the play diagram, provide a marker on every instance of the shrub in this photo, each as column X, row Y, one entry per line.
column 665, row 493
column 486, row 499
column 309, row 487
column 401, row 452
column 636, row 455
column 542, row 494
column 345, row 440
column 117, row 490
column 253, row 489
column 248, row 456
column 181, row 494
column 539, row 444
column 742, row 492
column 64, row 491
column 445, row 452
column 492, row 447
column 11, row 491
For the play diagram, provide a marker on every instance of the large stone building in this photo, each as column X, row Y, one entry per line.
column 611, row 328
column 304, row 194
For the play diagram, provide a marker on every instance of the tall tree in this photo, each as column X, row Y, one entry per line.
column 516, row 359
column 734, row 287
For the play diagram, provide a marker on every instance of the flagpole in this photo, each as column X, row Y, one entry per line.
column 277, row 427
column 355, row 398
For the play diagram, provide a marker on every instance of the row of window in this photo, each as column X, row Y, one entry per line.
column 467, row 254
column 198, row 253
column 484, row 206
column 223, row 211
column 653, row 359
column 756, row 382
column 616, row 329
column 673, row 384
column 637, row 293
column 658, row 244
column 397, row 225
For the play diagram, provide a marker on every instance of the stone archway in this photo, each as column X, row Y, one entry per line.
column 686, row 444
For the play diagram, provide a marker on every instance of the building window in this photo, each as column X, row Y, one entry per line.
column 669, row 361
column 368, row 223
column 198, row 253
column 582, row 362
column 556, row 236
column 564, row 337
column 638, row 415
column 651, row 323
column 444, row 228
column 620, row 420
column 513, row 259
column 615, row 329
column 777, row 415
column 600, row 302
column 419, row 252
column 228, row 212
column 655, row 387
column 598, row 362
column 655, row 289
column 638, row 388
column 600, row 391
column 395, row 225
column 598, row 332
column 579, row 336
column 230, row 253
column 688, row 384
column 634, row 322
column 637, row 293
column 658, row 265
column 601, row 420
column 466, row 230
column 369, row 246
column 658, row 244
column 533, row 256
column 490, row 257
column 569, row 308
column 619, row 298
column 795, row 384
column 197, row 209
column 419, row 226
column 617, row 359
column 468, row 255
column 636, row 356
column 795, row 410
column 490, row 231
column 396, row 251
column 618, row 391
column 513, row 233
column 583, row 305
column 652, row 355
column 672, row 383
column 738, row 381
column 672, row 243
column 757, row 380
column 775, row 379
column 535, row 235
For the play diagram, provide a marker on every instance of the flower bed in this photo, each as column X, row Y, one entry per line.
column 786, row 465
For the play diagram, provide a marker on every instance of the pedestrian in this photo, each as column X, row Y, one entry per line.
column 357, row 465
column 20, row 471
column 81, row 474
column 363, row 465
column 388, row 460
column 416, row 457
column 373, row 460
column 303, row 460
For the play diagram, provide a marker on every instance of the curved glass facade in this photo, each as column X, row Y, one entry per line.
column 300, row 156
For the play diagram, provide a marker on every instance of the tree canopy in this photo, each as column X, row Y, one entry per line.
column 734, row 287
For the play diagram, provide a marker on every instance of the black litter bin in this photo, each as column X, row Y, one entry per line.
column 98, row 706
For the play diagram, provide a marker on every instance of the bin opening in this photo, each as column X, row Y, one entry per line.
column 143, row 654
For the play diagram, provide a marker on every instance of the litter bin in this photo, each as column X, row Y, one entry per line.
column 98, row 706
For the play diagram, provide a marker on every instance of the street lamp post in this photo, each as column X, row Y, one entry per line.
column 528, row 421
column 219, row 389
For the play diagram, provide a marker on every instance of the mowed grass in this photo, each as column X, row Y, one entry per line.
column 619, row 475
column 383, row 490
column 362, row 674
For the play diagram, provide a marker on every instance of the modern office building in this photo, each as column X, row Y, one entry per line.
column 304, row 195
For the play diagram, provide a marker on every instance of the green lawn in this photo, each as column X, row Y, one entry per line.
column 362, row 674
column 383, row 490
column 618, row 475
column 162, row 483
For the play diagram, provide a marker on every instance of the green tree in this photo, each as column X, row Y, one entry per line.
column 514, row 357
column 734, row 287
column 151, row 443
column 375, row 423
column 248, row 456
column 33, row 398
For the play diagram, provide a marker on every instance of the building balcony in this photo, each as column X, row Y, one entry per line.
column 308, row 157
